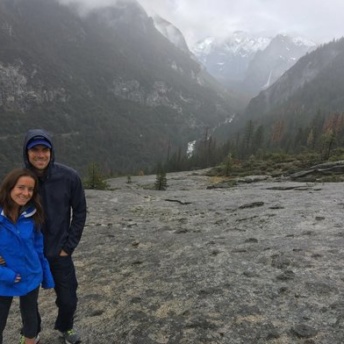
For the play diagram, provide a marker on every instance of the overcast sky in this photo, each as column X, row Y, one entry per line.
column 319, row 20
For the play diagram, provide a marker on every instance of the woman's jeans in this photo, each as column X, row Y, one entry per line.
column 29, row 313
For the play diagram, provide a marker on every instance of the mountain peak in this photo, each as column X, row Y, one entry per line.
column 239, row 42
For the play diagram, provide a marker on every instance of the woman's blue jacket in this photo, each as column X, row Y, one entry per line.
column 21, row 246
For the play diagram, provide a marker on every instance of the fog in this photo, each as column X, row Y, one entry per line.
column 318, row 20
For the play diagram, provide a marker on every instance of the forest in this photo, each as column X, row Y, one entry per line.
column 282, row 141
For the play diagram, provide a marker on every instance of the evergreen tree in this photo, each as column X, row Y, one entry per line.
column 247, row 138
column 277, row 132
column 161, row 180
column 228, row 165
column 316, row 126
column 328, row 141
column 310, row 139
column 95, row 179
column 258, row 139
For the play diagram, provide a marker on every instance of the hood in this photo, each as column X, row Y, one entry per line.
column 27, row 211
column 37, row 132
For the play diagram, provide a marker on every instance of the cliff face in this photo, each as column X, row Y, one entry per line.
column 254, row 263
column 19, row 94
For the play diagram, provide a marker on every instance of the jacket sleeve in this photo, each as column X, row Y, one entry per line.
column 48, row 281
column 7, row 275
column 79, row 210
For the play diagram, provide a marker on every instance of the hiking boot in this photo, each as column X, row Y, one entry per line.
column 22, row 339
column 71, row 337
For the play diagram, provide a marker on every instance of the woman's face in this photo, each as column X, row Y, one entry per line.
column 23, row 190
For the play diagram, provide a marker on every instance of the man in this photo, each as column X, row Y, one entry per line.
column 64, row 204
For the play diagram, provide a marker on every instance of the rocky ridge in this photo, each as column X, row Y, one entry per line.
column 255, row 263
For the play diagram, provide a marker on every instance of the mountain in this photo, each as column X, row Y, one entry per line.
column 315, row 82
column 269, row 64
column 307, row 100
column 228, row 60
column 249, row 63
column 303, row 108
column 109, row 86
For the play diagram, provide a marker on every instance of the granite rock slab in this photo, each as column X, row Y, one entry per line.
column 248, row 264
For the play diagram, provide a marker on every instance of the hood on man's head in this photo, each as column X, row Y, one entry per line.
column 38, row 140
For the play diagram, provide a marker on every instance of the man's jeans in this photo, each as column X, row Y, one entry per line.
column 66, row 285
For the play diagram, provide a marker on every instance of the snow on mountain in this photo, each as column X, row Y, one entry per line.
column 238, row 44
column 303, row 41
column 249, row 63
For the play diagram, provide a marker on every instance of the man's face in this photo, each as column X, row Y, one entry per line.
column 39, row 157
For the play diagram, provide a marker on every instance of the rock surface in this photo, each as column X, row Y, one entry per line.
column 254, row 263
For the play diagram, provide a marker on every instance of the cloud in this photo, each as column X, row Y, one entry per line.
column 315, row 19
column 89, row 3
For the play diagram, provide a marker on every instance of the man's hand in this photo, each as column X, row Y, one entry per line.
column 63, row 254
column 18, row 278
column 2, row 261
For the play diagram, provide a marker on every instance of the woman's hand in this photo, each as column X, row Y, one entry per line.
column 2, row 261
column 18, row 279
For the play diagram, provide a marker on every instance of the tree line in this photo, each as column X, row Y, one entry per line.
column 322, row 136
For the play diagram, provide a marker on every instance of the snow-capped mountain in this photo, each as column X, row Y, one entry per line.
column 248, row 63
column 228, row 60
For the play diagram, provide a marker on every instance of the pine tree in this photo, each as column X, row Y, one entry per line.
column 277, row 132
column 95, row 179
column 228, row 165
column 161, row 180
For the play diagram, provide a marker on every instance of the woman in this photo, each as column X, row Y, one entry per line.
column 21, row 246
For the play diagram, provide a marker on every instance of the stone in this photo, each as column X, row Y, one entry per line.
column 304, row 331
